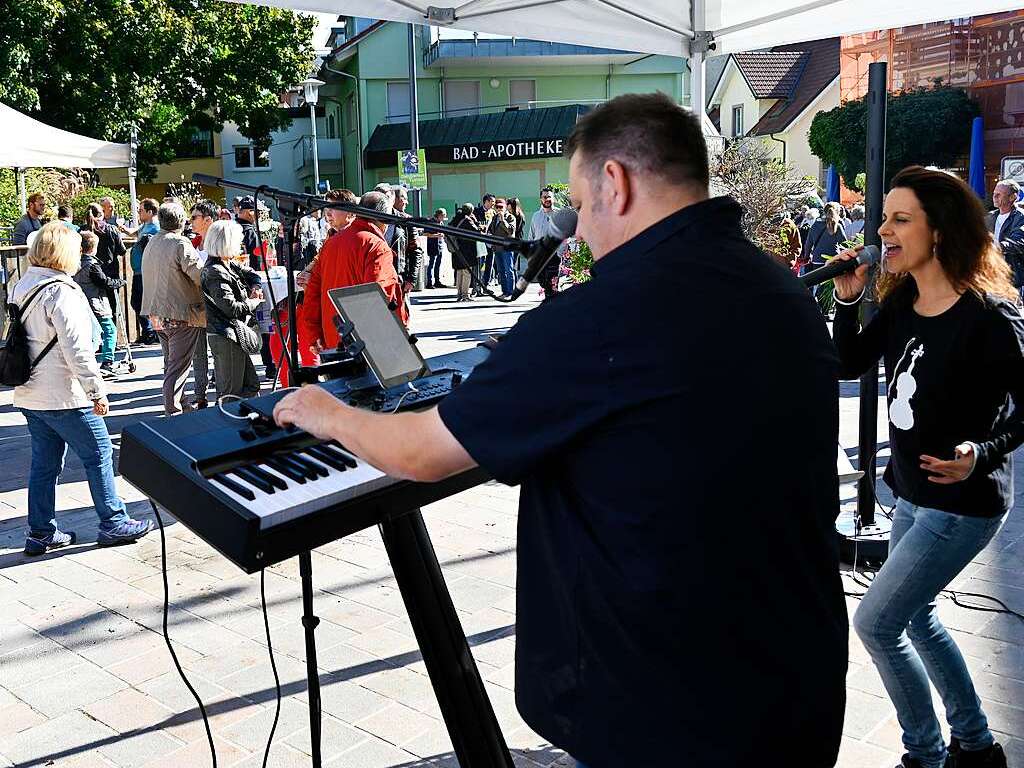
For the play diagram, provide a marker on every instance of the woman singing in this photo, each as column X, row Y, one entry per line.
column 952, row 339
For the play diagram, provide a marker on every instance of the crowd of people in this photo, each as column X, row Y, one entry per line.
column 191, row 302
column 602, row 620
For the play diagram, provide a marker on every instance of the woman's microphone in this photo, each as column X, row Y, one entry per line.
column 869, row 255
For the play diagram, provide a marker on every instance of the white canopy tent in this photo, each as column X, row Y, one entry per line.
column 28, row 143
column 672, row 27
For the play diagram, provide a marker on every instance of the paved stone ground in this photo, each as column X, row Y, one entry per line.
column 85, row 678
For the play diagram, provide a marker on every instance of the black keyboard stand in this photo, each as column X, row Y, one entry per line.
column 309, row 625
column 460, row 692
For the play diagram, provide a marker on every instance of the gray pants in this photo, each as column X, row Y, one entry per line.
column 178, row 345
column 201, row 366
column 463, row 282
column 236, row 375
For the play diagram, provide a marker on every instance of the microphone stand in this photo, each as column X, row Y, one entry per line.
column 295, row 205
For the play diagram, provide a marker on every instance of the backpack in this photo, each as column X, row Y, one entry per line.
column 15, row 364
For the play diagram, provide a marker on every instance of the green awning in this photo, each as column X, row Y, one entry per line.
column 514, row 134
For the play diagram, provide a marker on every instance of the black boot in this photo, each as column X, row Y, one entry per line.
column 990, row 757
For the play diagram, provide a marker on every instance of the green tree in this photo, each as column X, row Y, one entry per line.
column 166, row 67
column 925, row 126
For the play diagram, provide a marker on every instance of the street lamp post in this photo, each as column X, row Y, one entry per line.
column 311, row 90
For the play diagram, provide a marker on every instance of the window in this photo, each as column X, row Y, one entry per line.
column 522, row 92
column 398, row 102
column 198, row 144
column 331, row 127
column 737, row 120
column 252, row 156
column 461, row 97
column 350, row 113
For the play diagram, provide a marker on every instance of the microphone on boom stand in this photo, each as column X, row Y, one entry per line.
column 541, row 251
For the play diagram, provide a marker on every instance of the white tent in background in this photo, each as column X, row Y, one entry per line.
column 28, row 143
column 670, row 27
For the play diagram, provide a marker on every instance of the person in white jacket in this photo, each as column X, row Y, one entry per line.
column 64, row 400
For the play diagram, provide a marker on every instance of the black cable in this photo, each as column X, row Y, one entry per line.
column 273, row 666
column 955, row 594
column 167, row 637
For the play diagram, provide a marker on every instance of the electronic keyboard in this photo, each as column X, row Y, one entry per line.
column 259, row 493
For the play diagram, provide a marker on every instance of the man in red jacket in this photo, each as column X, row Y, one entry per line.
column 356, row 255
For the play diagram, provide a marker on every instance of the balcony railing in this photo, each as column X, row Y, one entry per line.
column 302, row 151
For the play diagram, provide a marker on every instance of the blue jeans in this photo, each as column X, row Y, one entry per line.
column 505, row 274
column 899, row 625
column 434, row 269
column 52, row 432
column 108, row 335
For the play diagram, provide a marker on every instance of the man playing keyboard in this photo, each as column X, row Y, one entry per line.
column 678, row 596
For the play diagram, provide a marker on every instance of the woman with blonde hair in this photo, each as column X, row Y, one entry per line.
column 64, row 399
column 950, row 333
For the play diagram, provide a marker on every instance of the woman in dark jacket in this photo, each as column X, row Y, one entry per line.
column 232, row 293
column 109, row 250
column 464, row 251
column 950, row 333
column 516, row 209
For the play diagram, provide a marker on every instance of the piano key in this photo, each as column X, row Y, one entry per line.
column 237, row 487
column 328, row 459
column 308, row 461
column 307, row 466
column 253, row 479
column 288, row 459
column 278, row 482
column 335, row 450
column 286, row 468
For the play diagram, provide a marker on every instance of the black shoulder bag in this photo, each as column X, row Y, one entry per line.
column 16, row 365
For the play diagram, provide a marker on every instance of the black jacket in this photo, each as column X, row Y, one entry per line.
column 819, row 243
column 463, row 250
column 1011, row 241
column 226, row 289
column 251, row 242
column 408, row 253
column 97, row 286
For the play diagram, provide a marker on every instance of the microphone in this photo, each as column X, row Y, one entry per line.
column 540, row 252
column 869, row 255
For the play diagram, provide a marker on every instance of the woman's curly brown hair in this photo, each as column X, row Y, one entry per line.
column 964, row 247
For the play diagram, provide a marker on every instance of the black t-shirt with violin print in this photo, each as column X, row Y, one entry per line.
column 953, row 378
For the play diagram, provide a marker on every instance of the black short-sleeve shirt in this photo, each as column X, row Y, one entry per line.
column 673, row 423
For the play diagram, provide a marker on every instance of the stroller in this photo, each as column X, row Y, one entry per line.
column 126, row 363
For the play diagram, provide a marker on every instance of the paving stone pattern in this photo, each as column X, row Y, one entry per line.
column 86, row 680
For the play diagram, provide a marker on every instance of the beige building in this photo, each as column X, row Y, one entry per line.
column 775, row 94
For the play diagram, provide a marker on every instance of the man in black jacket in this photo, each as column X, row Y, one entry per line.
column 678, row 594
column 1006, row 223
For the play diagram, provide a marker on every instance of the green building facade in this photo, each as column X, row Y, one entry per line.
column 492, row 112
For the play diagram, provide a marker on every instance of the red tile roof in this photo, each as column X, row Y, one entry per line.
column 772, row 74
column 820, row 66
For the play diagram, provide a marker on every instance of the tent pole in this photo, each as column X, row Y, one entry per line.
column 132, row 148
column 697, row 51
column 19, row 176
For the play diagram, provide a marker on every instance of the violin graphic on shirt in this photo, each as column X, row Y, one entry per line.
column 901, row 415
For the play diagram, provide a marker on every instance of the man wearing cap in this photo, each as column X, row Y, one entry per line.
column 356, row 255
column 250, row 236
